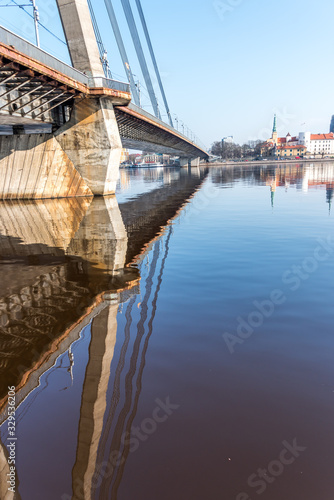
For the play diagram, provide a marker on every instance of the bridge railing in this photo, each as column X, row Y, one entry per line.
column 99, row 81
column 30, row 50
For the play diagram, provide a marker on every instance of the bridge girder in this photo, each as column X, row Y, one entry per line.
column 141, row 130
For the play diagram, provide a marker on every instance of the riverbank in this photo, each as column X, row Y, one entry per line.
column 269, row 162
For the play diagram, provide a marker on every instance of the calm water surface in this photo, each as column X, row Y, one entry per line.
column 175, row 342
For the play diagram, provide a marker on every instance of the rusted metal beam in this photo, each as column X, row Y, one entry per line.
column 105, row 92
column 27, row 72
column 21, row 96
column 56, row 105
column 2, row 82
column 30, row 63
column 46, row 103
column 20, row 61
column 35, row 99
column 10, row 66
column 16, row 87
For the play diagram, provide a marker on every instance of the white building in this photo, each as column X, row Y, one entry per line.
column 228, row 140
column 318, row 143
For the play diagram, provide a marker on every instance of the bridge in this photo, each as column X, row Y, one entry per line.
column 66, row 125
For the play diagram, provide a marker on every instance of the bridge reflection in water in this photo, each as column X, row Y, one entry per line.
column 68, row 264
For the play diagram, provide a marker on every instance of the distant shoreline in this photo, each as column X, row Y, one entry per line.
column 269, row 162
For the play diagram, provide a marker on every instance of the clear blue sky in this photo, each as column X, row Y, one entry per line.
column 228, row 65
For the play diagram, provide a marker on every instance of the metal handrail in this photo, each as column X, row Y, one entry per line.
column 100, row 81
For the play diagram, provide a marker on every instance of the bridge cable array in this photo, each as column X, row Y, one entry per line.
column 121, row 48
column 102, row 51
column 157, row 72
column 140, row 54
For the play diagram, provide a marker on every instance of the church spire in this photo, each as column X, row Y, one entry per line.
column 275, row 124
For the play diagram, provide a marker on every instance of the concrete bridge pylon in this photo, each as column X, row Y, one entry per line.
column 92, row 142
column 91, row 137
column 80, row 36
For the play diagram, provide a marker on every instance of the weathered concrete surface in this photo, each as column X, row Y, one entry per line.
column 101, row 237
column 91, row 138
column 80, row 36
column 190, row 162
column 194, row 162
column 35, row 166
column 92, row 142
column 4, row 471
column 40, row 227
column 184, row 162
column 81, row 159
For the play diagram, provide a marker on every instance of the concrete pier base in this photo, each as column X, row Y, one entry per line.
column 35, row 166
column 80, row 159
column 195, row 162
column 184, row 162
column 92, row 142
column 189, row 162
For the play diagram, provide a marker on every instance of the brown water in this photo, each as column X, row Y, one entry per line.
column 176, row 344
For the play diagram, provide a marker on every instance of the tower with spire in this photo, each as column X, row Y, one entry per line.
column 274, row 134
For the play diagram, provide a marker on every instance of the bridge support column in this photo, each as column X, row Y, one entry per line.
column 189, row 162
column 35, row 166
column 184, row 162
column 80, row 36
column 195, row 162
column 91, row 138
column 92, row 142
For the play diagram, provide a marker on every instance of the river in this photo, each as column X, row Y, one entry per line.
column 174, row 341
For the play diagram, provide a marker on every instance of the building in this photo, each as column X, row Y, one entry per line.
column 288, row 139
column 290, row 150
column 331, row 127
column 318, row 144
column 283, row 147
column 159, row 158
column 228, row 140
column 124, row 155
column 301, row 145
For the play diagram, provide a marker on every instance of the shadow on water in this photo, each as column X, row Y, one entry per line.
column 65, row 264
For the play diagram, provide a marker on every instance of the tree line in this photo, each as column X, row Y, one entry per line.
column 230, row 150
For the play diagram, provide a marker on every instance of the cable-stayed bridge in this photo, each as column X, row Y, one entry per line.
column 66, row 125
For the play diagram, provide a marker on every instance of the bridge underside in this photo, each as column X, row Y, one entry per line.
column 28, row 97
column 140, row 130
